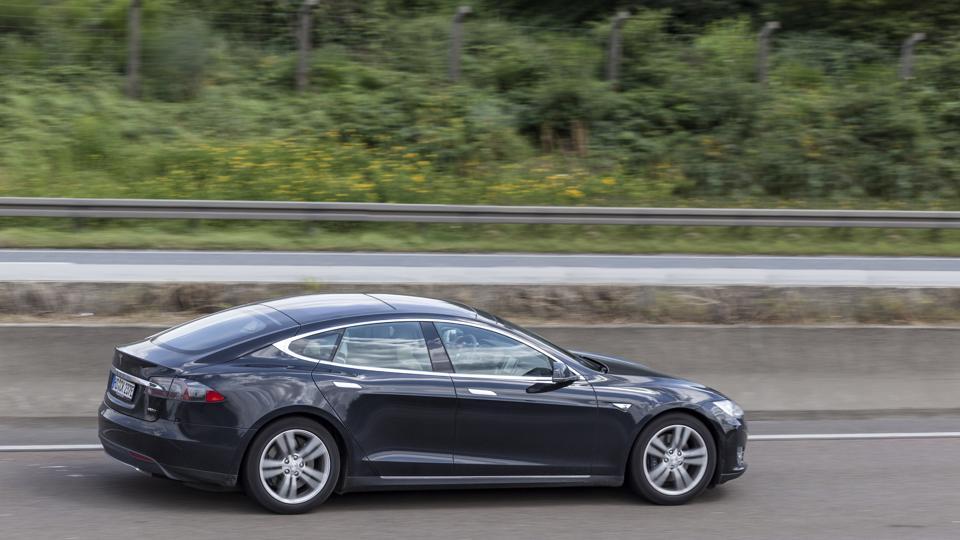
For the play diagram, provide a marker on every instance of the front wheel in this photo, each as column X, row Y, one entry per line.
column 673, row 459
column 293, row 465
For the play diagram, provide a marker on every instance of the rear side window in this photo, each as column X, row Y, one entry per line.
column 224, row 328
column 320, row 347
column 398, row 345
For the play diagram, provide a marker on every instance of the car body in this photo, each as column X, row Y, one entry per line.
column 395, row 392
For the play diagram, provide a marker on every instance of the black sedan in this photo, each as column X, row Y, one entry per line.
column 294, row 399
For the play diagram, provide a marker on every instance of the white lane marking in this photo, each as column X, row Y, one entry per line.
column 855, row 436
column 49, row 447
column 781, row 437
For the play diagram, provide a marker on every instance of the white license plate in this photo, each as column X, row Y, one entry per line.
column 122, row 388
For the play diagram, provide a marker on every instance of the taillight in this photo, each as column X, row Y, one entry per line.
column 179, row 389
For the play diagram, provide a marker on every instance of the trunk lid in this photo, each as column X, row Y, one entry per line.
column 135, row 373
column 206, row 341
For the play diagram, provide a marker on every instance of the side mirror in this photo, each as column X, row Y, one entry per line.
column 562, row 374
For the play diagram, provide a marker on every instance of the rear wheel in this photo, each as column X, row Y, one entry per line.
column 673, row 459
column 292, row 466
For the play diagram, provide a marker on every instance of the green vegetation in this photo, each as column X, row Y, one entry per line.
column 531, row 122
column 467, row 238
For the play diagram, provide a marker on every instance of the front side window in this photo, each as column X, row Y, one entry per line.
column 397, row 345
column 477, row 351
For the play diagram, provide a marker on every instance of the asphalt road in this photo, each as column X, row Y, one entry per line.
column 870, row 489
column 130, row 266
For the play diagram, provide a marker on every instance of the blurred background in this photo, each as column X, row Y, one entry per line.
column 836, row 105
column 839, row 337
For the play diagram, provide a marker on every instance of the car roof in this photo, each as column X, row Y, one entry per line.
column 316, row 308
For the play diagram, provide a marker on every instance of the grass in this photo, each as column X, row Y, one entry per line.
column 473, row 238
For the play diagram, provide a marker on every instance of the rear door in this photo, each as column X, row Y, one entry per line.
column 511, row 421
column 381, row 383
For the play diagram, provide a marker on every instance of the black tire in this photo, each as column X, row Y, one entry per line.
column 638, row 478
column 254, row 486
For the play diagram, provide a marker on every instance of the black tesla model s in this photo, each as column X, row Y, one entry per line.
column 296, row 398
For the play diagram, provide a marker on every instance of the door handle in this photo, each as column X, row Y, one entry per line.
column 480, row 392
column 343, row 384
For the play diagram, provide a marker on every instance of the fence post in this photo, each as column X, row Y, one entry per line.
column 615, row 49
column 906, row 54
column 133, row 50
column 763, row 50
column 456, row 42
column 304, row 28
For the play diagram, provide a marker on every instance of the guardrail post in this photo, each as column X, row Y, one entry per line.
column 763, row 50
column 456, row 42
column 133, row 50
column 906, row 54
column 615, row 49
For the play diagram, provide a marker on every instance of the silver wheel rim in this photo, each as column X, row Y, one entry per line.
column 675, row 460
column 294, row 466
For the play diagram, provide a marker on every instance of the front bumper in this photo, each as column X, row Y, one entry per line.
column 731, row 451
column 179, row 451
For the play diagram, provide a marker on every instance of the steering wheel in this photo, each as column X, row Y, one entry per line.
column 464, row 342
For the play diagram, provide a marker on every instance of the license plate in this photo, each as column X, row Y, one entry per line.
column 122, row 388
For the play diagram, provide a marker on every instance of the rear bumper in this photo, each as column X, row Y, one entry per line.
column 178, row 451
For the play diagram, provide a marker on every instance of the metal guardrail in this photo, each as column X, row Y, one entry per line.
column 443, row 213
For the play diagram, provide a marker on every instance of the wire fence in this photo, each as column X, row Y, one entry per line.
column 35, row 38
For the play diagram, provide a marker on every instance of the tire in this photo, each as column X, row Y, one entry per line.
column 312, row 466
column 654, row 471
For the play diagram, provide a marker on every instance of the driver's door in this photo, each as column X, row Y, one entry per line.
column 510, row 421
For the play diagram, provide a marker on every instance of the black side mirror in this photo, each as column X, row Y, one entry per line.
column 562, row 374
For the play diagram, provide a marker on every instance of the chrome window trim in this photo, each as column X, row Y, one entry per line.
column 134, row 379
column 284, row 345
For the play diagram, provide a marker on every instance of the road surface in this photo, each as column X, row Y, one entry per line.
column 851, row 489
column 279, row 267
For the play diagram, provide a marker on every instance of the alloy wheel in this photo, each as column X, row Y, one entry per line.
column 675, row 460
column 294, row 466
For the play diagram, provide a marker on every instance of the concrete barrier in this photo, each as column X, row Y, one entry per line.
column 61, row 370
column 558, row 304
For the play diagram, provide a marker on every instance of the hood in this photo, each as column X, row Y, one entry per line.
column 622, row 366
column 630, row 370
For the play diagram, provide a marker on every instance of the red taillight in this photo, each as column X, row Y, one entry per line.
column 185, row 390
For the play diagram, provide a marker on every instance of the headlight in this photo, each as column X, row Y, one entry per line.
column 729, row 408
